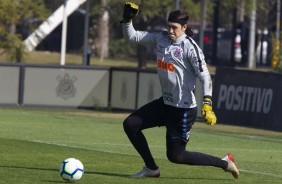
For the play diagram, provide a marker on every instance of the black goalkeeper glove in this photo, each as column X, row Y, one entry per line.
column 130, row 10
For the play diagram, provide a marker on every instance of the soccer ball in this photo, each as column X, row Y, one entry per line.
column 71, row 169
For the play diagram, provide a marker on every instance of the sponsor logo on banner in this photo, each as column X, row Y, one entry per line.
column 245, row 98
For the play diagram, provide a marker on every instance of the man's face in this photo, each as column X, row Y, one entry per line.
column 175, row 30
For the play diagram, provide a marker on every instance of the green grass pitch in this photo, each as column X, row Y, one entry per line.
column 34, row 142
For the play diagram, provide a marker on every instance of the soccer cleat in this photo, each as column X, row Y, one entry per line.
column 231, row 167
column 146, row 172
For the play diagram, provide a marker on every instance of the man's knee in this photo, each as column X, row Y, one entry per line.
column 132, row 123
column 127, row 124
column 175, row 157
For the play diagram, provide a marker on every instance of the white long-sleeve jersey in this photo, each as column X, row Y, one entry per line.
column 179, row 62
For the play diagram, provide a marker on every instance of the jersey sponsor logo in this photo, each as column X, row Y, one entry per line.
column 168, row 97
column 245, row 98
column 169, row 67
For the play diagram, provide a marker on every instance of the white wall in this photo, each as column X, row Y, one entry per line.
column 9, row 85
column 80, row 87
column 66, row 87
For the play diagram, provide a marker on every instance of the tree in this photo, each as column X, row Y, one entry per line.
column 152, row 15
column 100, row 29
column 15, row 17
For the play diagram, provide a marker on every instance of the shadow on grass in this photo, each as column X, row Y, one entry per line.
column 31, row 168
column 161, row 178
column 108, row 174
column 57, row 170
column 197, row 178
column 117, row 175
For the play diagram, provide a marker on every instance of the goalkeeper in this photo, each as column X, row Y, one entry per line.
column 179, row 62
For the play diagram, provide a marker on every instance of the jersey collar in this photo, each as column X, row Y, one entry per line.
column 180, row 39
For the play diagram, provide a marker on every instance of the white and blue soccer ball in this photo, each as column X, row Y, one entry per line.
column 71, row 169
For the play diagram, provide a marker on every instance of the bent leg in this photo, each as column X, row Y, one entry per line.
column 147, row 116
column 178, row 132
column 132, row 127
column 177, row 153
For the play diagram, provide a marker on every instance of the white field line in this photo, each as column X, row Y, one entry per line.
column 246, row 150
column 65, row 145
column 80, row 147
column 252, row 137
column 153, row 146
column 261, row 173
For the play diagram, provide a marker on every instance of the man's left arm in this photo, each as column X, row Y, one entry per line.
column 207, row 111
column 200, row 67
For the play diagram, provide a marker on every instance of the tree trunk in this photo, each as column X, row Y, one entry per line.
column 103, row 34
column 13, row 29
column 241, row 10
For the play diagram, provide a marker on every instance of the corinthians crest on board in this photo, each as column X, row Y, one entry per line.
column 66, row 88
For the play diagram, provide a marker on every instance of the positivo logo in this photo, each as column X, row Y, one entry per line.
column 245, row 98
column 66, row 88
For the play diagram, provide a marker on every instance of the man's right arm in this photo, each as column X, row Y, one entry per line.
column 130, row 10
column 137, row 36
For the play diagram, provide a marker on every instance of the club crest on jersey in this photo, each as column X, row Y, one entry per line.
column 177, row 53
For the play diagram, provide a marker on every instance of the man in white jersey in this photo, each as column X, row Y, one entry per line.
column 179, row 62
